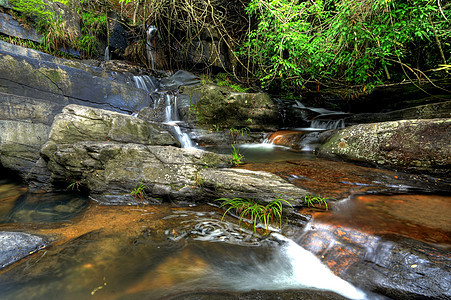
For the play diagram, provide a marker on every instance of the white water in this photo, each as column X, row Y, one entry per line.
column 107, row 54
column 327, row 124
column 306, row 270
column 289, row 267
column 146, row 83
column 151, row 31
column 172, row 119
column 259, row 263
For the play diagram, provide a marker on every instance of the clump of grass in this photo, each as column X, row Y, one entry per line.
column 237, row 157
column 255, row 212
column 311, row 200
column 235, row 133
column 222, row 79
column 74, row 185
column 139, row 192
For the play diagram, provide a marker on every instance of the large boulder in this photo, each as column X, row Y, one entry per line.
column 110, row 154
column 211, row 104
column 51, row 80
column 24, row 128
column 400, row 268
column 409, row 145
column 78, row 123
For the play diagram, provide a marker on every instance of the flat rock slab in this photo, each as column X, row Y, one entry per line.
column 16, row 245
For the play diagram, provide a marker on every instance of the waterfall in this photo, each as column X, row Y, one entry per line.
column 305, row 269
column 327, row 124
column 151, row 31
column 172, row 119
column 147, row 83
column 169, row 100
column 107, row 54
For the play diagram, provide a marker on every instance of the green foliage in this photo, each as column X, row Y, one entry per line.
column 93, row 26
column 235, row 133
column 56, row 34
column 296, row 43
column 74, row 185
column 198, row 180
column 139, row 192
column 255, row 212
column 222, row 79
column 237, row 157
column 33, row 45
column 311, row 200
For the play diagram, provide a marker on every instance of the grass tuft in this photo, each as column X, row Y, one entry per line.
column 257, row 213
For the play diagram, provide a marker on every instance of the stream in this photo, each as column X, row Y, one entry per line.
column 168, row 252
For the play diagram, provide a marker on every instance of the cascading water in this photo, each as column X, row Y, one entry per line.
column 324, row 123
column 107, row 54
column 173, row 120
column 151, row 31
column 274, row 262
column 169, row 100
column 304, row 138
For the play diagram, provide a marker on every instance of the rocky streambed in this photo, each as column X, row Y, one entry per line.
column 69, row 126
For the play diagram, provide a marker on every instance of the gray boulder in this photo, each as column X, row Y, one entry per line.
column 51, row 80
column 24, row 128
column 409, row 145
column 110, row 154
column 16, row 245
column 10, row 26
column 427, row 111
column 210, row 104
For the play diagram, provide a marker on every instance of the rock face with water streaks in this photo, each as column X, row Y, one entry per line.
column 410, row 145
column 34, row 87
column 110, row 153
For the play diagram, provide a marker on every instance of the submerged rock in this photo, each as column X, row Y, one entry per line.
column 409, row 145
column 16, row 245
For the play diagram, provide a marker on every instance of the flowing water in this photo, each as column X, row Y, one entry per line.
column 168, row 102
column 155, row 252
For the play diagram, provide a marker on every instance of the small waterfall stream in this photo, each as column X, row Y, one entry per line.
column 150, row 47
column 304, row 138
column 169, row 101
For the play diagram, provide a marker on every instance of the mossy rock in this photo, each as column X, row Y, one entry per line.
column 219, row 107
column 420, row 146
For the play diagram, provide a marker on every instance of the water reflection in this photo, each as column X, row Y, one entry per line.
column 262, row 153
column 45, row 208
column 173, row 253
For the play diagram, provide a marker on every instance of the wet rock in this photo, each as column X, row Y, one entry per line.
column 220, row 106
column 50, row 80
column 399, row 268
column 10, row 26
column 259, row 185
column 80, row 123
column 16, row 245
column 410, row 145
column 427, row 111
column 110, row 154
column 24, row 128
